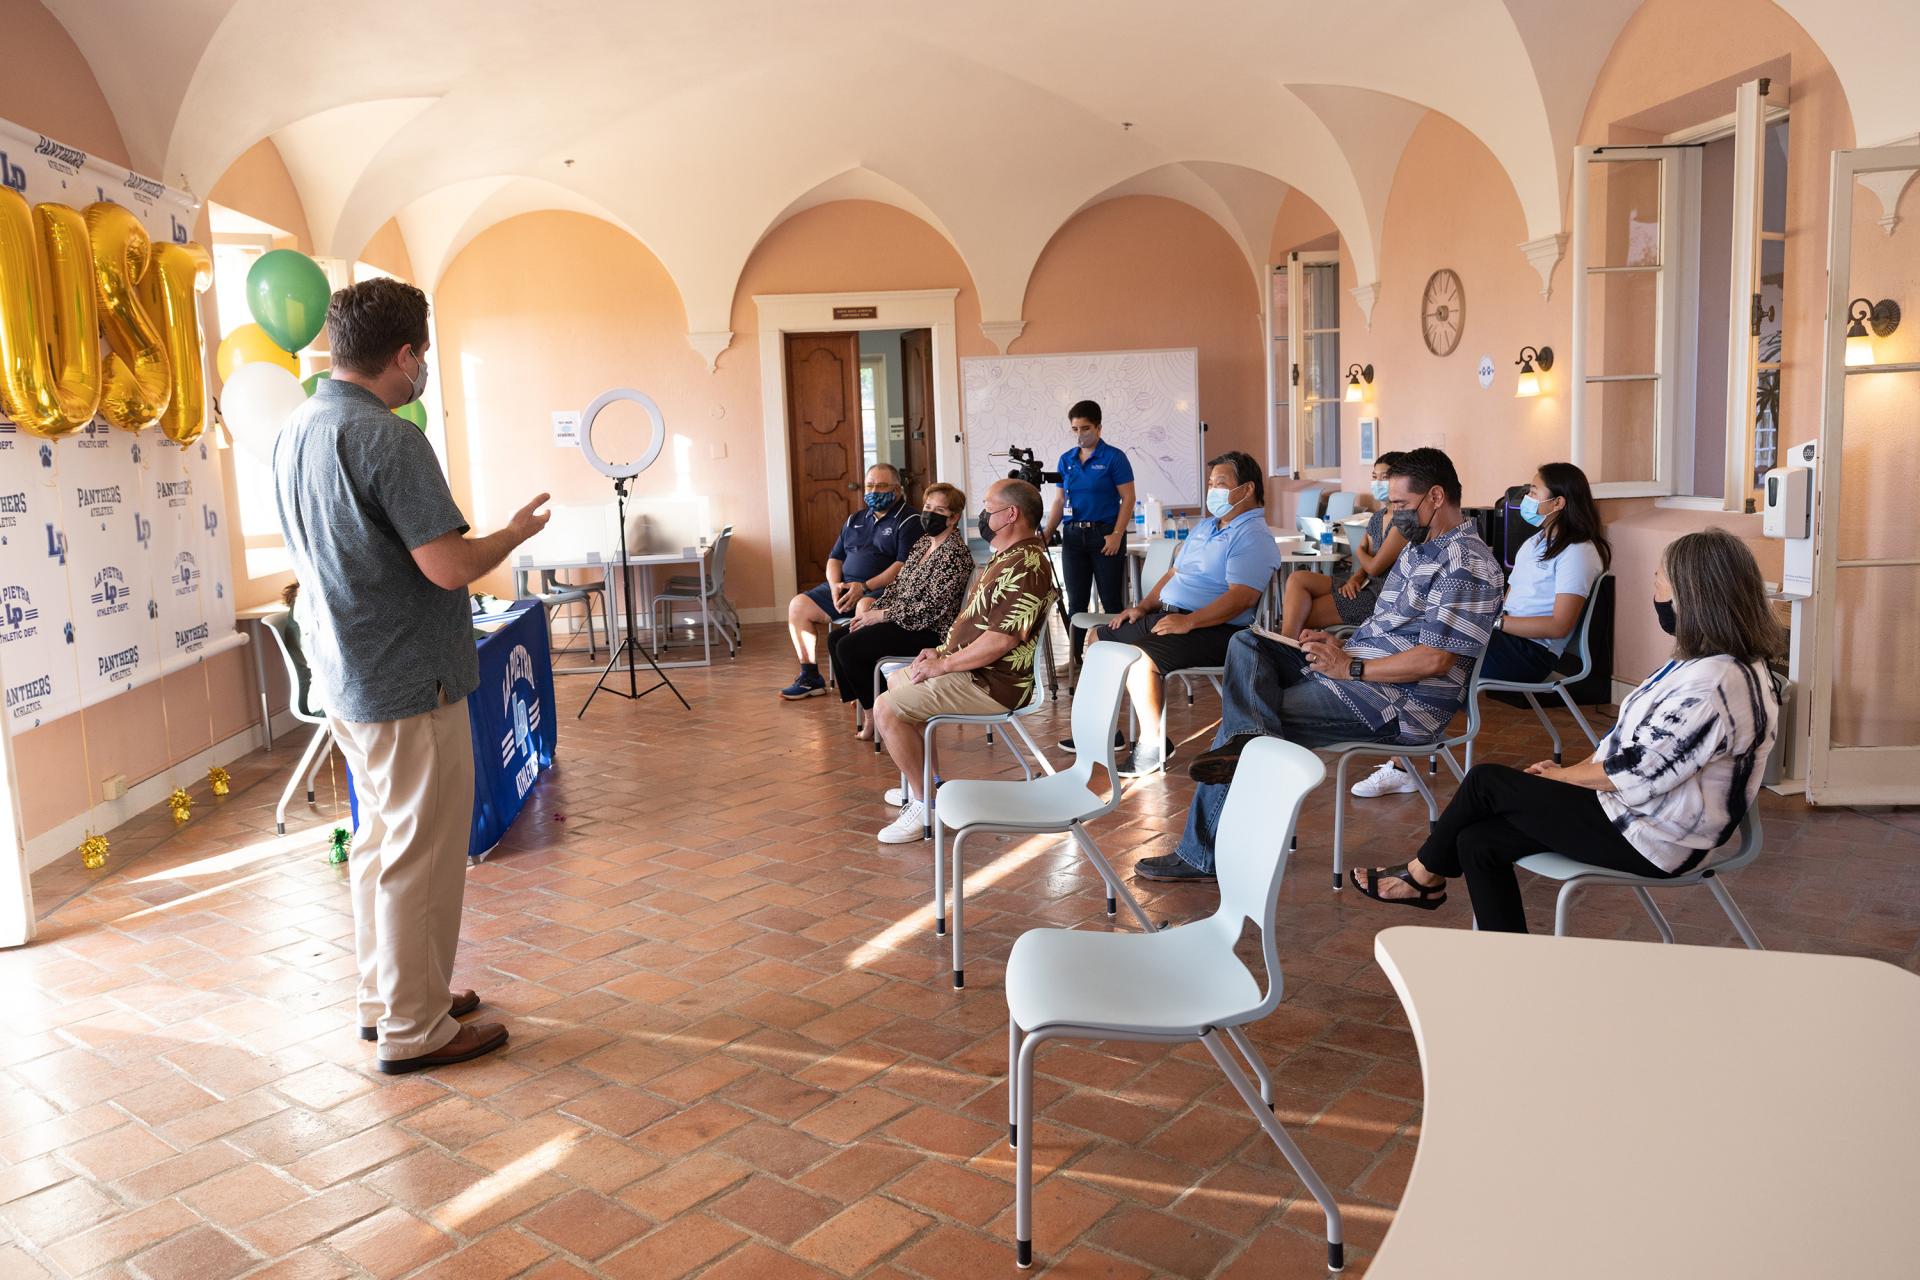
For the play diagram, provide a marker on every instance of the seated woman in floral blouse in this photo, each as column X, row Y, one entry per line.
column 916, row 609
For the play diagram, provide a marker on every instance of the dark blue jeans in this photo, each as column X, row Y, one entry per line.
column 1518, row 659
column 1085, row 567
column 1269, row 690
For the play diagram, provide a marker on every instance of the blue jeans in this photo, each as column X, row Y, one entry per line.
column 1269, row 690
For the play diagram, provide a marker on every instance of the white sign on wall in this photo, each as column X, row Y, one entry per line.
column 566, row 428
column 113, row 544
column 1484, row 372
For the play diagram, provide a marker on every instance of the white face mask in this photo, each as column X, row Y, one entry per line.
column 419, row 388
column 1379, row 490
column 1219, row 502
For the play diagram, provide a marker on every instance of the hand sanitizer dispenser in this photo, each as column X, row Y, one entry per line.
column 1788, row 515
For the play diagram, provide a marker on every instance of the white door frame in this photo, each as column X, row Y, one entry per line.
column 784, row 313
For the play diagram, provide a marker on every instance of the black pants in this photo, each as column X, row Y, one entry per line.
column 1084, row 566
column 853, row 654
column 1518, row 659
column 1501, row 815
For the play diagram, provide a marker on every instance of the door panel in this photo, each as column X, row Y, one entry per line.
column 916, row 378
column 823, row 443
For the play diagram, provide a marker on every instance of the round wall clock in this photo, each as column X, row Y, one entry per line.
column 1443, row 311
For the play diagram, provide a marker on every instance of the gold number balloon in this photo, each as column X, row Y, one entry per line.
column 179, row 272
column 49, row 324
column 138, row 382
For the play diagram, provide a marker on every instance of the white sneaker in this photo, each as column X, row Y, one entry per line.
column 909, row 828
column 1388, row 780
column 896, row 796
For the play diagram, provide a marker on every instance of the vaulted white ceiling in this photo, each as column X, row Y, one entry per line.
column 699, row 127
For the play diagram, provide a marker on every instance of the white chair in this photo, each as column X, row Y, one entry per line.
column 1341, row 504
column 300, row 703
column 1058, row 802
column 1574, row 876
column 1404, row 752
column 685, row 590
column 1583, row 650
column 1177, row 985
column 557, row 595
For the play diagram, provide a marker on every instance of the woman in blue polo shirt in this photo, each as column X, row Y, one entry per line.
column 1188, row 617
column 1096, row 482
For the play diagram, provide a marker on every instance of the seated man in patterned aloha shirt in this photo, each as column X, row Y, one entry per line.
column 987, row 664
column 1400, row 678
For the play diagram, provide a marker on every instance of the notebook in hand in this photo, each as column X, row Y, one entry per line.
column 1274, row 636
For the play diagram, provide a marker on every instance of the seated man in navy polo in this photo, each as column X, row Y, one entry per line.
column 865, row 558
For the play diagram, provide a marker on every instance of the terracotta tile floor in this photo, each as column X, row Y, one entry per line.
column 735, row 1049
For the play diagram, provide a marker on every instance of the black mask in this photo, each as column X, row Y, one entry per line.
column 1663, row 610
column 985, row 525
column 1408, row 523
column 934, row 522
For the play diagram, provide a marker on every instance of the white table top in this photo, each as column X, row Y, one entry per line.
column 606, row 560
column 1603, row 1109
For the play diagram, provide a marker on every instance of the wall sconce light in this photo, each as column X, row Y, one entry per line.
column 1882, row 316
column 1529, row 384
column 1356, row 374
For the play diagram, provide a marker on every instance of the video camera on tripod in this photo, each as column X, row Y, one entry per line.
column 1027, row 467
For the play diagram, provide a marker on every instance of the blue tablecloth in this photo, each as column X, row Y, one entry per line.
column 513, row 723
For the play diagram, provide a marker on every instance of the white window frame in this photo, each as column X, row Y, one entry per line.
column 1676, row 359
column 1279, row 460
column 878, row 363
column 1297, row 403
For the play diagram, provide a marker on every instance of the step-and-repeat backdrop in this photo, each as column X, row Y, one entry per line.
column 114, row 565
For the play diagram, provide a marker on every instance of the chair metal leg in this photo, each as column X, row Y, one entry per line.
column 1578, row 718
column 1339, row 814
column 1022, row 1085
column 1260, row 1072
column 1724, row 897
column 1336, row 1249
column 313, row 770
column 1116, row 889
column 1426, row 792
column 926, row 777
column 940, row 880
column 300, row 770
column 958, row 922
column 1659, row 921
column 1541, row 712
column 1561, row 902
column 1039, row 756
column 1013, row 1073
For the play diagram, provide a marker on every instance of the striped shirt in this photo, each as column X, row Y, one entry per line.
column 1687, row 756
column 1445, row 594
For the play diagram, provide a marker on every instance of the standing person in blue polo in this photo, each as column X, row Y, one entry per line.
column 1096, row 484
column 866, row 557
column 1188, row 618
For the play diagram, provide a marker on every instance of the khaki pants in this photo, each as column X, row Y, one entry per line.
column 414, row 780
column 953, row 694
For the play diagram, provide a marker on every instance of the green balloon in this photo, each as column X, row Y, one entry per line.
column 313, row 384
column 416, row 413
column 288, row 295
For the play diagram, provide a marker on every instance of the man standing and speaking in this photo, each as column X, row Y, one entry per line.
column 381, row 552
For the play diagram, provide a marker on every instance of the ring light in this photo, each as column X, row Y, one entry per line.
column 622, row 470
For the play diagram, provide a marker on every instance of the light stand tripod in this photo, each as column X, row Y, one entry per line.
column 631, row 645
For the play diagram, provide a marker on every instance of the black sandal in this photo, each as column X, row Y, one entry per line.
column 1431, row 895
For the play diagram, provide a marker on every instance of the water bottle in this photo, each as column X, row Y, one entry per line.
column 1186, row 526
column 1139, row 518
column 1326, row 538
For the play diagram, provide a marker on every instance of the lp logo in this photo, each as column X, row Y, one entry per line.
column 56, row 544
column 142, row 529
column 12, row 174
column 208, row 518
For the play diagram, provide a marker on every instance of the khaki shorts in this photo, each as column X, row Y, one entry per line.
column 954, row 694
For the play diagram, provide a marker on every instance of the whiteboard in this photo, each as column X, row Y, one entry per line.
column 1149, row 402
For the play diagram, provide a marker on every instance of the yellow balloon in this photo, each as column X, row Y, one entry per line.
column 49, row 323
column 138, row 379
column 249, row 344
column 179, row 272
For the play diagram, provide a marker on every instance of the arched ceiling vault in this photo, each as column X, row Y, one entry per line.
column 699, row 128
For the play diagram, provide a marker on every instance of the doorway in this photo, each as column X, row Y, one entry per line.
column 854, row 398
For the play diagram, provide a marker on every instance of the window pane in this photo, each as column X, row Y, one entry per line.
column 1623, row 213
column 1766, row 426
column 1323, row 435
column 1773, row 203
column 1773, row 282
column 1623, row 322
column 231, row 262
column 1876, row 687
column 1620, row 417
column 1320, row 296
column 1282, row 460
column 1880, row 458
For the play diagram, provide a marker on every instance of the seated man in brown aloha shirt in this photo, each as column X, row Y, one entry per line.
column 987, row 664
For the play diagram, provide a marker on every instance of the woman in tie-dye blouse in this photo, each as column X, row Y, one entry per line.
column 1667, row 786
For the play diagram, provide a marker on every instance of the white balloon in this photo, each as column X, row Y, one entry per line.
column 256, row 401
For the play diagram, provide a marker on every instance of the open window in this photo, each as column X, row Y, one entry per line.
column 1679, row 274
column 1304, row 434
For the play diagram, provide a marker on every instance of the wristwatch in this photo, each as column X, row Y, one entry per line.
column 1357, row 669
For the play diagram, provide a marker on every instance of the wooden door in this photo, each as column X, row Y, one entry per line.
column 823, row 444
column 916, row 380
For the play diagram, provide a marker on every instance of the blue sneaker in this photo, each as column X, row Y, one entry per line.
column 807, row 686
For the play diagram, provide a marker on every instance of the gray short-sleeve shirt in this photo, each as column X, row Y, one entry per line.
column 358, row 489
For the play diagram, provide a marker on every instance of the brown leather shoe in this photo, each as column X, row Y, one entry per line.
column 1219, row 764
column 459, row 1005
column 470, row 1042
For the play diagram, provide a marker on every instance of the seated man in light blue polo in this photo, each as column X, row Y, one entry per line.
column 867, row 555
column 1188, row 618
